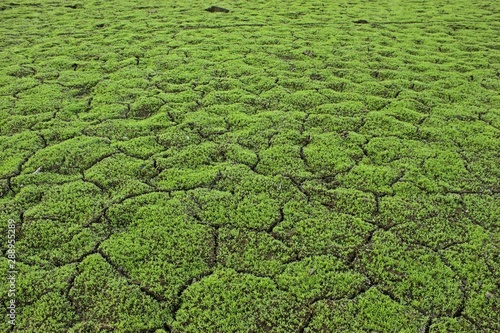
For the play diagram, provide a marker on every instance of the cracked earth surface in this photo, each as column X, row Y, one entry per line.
column 312, row 167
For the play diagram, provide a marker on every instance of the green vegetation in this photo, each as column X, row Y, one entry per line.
column 304, row 167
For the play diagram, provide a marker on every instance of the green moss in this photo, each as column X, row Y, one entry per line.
column 42, row 98
column 281, row 159
column 241, row 155
column 379, row 124
column 255, row 210
column 345, row 109
column 303, row 100
column 459, row 325
column 41, row 302
column 13, row 84
column 253, row 252
column 191, row 156
column 231, row 302
column 57, row 229
column 81, row 82
column 320, row 277
column 370, row 311
column 313, row 230
column 475, row 262
column 213, row 207
column 406, row 270
column 171, row 250
column 144, row 107
column 17, row 124
column 350, row 201
column 329, row 153
column 109, row 301
column 15, row 150
column 141, row 147
column 119, row 129
column 104, row 112
column 321, row 123
column 185, row 178
column 313, row 167
column 59, row 129
column 71, row 156
column 121, row 175
column 371, row 178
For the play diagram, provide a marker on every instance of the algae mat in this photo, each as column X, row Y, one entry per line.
column 231, row 166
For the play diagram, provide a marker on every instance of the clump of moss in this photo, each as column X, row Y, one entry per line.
column 234, row 302
column 70, row 156
column 58, row 229
column 250, row 251
column 121, row 305
column 321, row 277
column 404, row 271
column 370, row 311
column 316, row 230
column 15, row 150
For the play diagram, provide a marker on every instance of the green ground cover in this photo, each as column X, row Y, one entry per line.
column 306, row 166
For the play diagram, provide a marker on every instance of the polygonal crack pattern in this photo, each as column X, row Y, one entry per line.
column 314, row 167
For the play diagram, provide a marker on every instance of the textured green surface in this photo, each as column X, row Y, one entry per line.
column 304, row 166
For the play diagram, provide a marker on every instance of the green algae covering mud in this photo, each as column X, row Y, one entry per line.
column 314, row 166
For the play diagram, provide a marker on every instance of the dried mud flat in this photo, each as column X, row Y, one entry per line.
column 250, row 167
